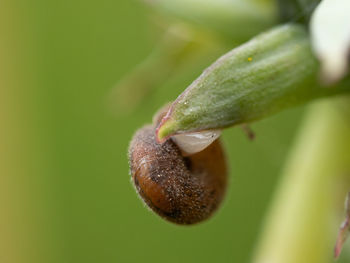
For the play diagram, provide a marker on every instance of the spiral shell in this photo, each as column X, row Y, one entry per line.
column 181, row 189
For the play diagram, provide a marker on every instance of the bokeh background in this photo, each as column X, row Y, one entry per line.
column 65, row 191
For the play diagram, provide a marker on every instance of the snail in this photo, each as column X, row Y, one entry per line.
column 182, row 186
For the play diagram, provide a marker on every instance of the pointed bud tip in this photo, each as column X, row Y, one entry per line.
column 165, row 129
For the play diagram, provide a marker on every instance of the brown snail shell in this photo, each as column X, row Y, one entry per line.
column 181, row 189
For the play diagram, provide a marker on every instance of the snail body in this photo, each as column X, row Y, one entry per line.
column 184, row 189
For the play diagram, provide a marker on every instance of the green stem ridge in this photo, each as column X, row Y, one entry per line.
column 273, row 71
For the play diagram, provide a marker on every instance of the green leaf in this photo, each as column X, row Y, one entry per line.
column 273, row 71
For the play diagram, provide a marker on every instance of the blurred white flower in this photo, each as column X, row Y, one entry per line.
column 330, row 33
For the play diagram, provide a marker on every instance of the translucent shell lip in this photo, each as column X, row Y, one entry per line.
column 191, row 143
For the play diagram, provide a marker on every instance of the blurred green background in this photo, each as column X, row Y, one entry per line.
column 65, row 191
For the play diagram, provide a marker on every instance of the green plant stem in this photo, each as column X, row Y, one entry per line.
column 307, row 208
column 296, row 10
column 236, row 20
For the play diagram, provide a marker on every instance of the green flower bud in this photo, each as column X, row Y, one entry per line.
column 273, row 71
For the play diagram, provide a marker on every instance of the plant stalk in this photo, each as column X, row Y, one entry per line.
column 308, row 207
